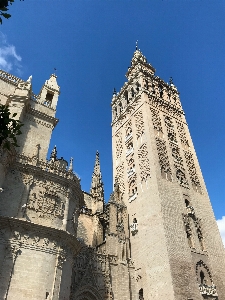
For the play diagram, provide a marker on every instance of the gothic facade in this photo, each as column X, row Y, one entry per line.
column 156, row 237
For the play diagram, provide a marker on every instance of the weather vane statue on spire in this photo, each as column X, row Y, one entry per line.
column 136, row 44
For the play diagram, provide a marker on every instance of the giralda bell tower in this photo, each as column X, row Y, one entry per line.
column 175, row 243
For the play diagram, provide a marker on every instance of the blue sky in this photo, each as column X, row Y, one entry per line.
column 91, row 44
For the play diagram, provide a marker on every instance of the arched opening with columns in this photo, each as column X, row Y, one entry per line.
column 204, row 278
column 88, row 293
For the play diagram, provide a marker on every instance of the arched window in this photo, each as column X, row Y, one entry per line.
column 126, row 97
column 141, row 294
column 160, row 91
column 187, row 203
column 128, row 131
column 202, row 277
column 137, row 87
column 132, row 188
column 120, row 107
column 48, row 99
column 115, row 112
column 132, row 93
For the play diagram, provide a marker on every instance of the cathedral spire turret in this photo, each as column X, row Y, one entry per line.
column 97, row 190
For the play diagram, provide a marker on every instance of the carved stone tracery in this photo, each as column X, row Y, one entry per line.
column 119, row 145
column 192, row 171
column 120, row 177
column 157, row 122
column 204, row 278
column 144, row 164
column 46, row 203
column 139, row 122
column 163, row 159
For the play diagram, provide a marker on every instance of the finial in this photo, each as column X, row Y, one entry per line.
column 29, row 79
column 171, row 80
column 55, row 70
column 71, row 164
column 114, row 91
column 136, row 44
column 53, row 155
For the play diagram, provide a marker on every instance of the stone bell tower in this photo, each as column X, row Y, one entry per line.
column 176, row 247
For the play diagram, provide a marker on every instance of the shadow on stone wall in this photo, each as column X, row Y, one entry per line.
column 91, row 276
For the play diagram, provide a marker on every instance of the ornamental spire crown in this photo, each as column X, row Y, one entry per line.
column 97, row 190
column 139, row 63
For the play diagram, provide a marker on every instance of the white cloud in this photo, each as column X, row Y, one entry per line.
column 221, row 225
column 8, row 56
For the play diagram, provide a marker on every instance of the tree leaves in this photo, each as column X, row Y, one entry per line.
column 9, row 128
column 4, row 7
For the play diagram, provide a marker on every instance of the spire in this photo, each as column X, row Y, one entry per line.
column 97, row 190
column 71, row 165
column 53, row 156
column 138, row 62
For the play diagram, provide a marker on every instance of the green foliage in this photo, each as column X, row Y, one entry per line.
column 4, row 9
column 9, row 128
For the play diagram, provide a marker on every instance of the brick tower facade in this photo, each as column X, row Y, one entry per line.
column 177, row 249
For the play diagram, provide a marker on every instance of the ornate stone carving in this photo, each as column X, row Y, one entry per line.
column 120, row 177
column 144, row 164
column 182, row 135
column 36, row 239
column 119, row 145
column 139, row 123
column 181, row 178
column 61, row 258
column 163, row 159
column 46, row 203
column 170, row 129
column 192, row 171
column 188, row 230
column 204, row 278
column 157, row 122
column 134, row 227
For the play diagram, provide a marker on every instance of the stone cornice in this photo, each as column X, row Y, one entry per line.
column 10, row 78
column 32, row 166
column 164, row 105
column 42, row 116
column 40, row 230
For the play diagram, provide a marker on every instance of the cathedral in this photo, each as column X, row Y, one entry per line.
column 156, row 238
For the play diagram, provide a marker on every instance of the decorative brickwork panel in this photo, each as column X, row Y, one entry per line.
column 132, row 183
column 139, row 123
column 156, row 121
column 182, row 135
column 170, row 130
column 119, row 145
column 178, row 164
column 143, row 162
column 188, row 230
column 192, row 171
column 178, row 161
column 128, row 128
column 120, row 177
column 163, row 159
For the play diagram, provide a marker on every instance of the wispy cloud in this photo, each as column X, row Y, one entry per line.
column 221, row 225
column 9, row 59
